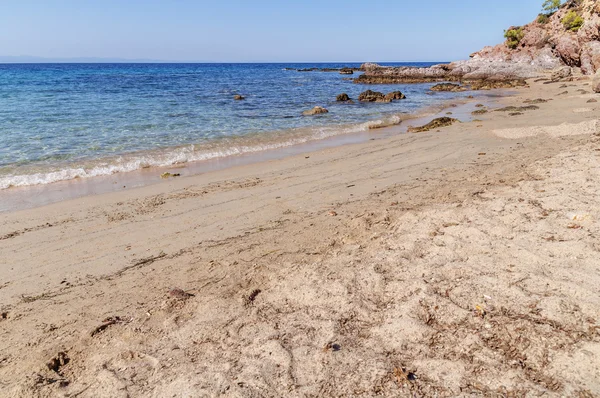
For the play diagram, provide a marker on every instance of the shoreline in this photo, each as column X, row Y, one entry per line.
column 29, row 196
column 446, row 263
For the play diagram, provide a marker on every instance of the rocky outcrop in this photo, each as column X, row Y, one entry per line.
column 596, row 82
column 346, row 71
column 568, row 49
column 375, row 74
column 546, row 44
column 317, row 110
column 238, row 97
column 343, row 97
column 451, row 87
column 488, row 84
column 376, row 96
column 590, row 57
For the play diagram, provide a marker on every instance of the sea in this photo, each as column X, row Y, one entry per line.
column 65, row 121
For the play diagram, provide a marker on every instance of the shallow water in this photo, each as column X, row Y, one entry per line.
column 65, row 121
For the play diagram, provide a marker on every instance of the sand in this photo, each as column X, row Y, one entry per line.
column 457, row 262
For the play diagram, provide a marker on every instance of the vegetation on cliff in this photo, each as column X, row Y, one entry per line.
column 513, row 37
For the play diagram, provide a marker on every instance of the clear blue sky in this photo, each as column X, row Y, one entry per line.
column 258, row 30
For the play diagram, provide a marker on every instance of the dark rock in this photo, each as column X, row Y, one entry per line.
column 317, row 110
column 346, row 71
column 451, row 87
column 342, row 97
column 479, row 112
column 372, row 96
column 394, row 95
column 434, row 124
column 238, row 97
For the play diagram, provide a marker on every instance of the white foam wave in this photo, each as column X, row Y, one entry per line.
column 170, row 157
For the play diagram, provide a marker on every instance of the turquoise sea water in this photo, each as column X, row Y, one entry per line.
column 64, row 121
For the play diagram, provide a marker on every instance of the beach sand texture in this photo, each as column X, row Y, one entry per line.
column 457, row 262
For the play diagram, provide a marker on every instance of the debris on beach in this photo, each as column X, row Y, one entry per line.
column 167, row 175
column 403, row 376
column 180, row 294
column 113, row 320
column 331, row 346
column 248, row 300
column 61, row 359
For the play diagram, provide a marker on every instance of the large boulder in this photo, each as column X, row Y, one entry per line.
column 596, row 82
column 535, row 37
column 568, row 48
column 371, row 96
column 590, row 57
column 343, row 97
column 317, row 110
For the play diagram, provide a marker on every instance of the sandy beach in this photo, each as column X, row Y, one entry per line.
column 463, row 261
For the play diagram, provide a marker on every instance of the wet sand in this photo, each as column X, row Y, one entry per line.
column 453, row 262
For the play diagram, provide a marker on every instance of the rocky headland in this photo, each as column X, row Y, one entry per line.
column 560, row 43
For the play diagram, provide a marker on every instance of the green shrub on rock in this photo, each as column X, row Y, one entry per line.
column 513, row 37
column 572, row 21
column 543, row 19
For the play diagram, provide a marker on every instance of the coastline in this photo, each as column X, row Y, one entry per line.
column 29, row 196
column 452, row 262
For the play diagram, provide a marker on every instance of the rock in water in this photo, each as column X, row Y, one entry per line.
column 394, row 95
column 448, row 87
column 372, row 96
column 238, row 97
column 434, row 124
column 596, row 82
column 346, row 71
column 317, row 110
column 342, row 97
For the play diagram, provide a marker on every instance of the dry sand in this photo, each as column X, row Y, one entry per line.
column 458, row 262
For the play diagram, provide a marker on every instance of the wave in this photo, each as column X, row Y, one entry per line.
column 30, row 175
